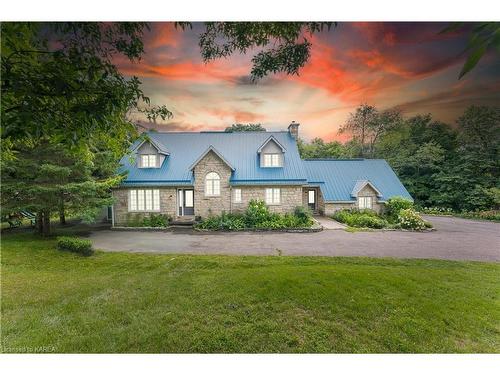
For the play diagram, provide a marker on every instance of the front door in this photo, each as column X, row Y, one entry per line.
column 186, row 202
column 311, row 199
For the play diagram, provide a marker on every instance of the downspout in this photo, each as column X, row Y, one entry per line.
column 112, row 216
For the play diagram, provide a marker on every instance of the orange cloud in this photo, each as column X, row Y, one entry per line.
column 237, row 115
column 324, row 71
column 164, row 34
column 187, row 71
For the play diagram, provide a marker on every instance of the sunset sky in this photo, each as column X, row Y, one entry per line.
column 405, row 65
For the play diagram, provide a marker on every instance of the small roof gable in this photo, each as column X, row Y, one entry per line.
column 340, row 179
column 271, row 138
column 360, row 184
column 161, row 148
column 211, row 148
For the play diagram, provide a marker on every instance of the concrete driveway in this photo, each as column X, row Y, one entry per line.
column 455, row 238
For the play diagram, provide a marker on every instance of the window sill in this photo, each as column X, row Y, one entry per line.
column 143, row 212
column 273, row 204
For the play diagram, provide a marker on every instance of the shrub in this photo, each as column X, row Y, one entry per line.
column 493, row 215
column 436, row 210
column 256, row 213
column 396, row 204
column 302, row 213
column 410, row 219
column 156, row 221
column 75, row 245
column 223, row 222
column 367, row 221
column 360, row 218
column 257, row 216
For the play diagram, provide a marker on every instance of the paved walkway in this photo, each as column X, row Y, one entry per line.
column 328, row 223
column 455, row 238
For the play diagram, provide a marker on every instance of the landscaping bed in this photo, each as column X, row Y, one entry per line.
column 150, row 222
column 399, row 214
column 257, row 217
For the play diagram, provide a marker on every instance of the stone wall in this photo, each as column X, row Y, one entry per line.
column 211, row 205
column 367, row 191
column 291, row 197
column 120, row 209
column 330, row 208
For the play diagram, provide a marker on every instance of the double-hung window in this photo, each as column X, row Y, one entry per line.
column 146, row 200
column 271, row 160
column 148, row 161
column 365, row 202
column 273, row 195
column 237, row 195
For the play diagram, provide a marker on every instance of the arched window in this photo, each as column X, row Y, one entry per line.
column 212, row 184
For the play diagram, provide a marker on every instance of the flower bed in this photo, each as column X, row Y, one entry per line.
column 258, row 217
column 399, row 214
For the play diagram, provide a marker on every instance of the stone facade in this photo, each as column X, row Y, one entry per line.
column 122, row 217
column 291, row 197
column 330, row 208
column 211, row 205
column 367, row 191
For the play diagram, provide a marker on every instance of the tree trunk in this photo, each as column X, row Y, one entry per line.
column 39, row 222
column 46, row 223
column 62, row 216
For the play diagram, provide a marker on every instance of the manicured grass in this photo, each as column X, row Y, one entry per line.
column 119, row 302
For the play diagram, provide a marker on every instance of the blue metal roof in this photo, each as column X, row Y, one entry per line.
column 238, row 148
column 338, row 177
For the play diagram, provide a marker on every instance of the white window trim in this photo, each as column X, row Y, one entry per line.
column 211, row 183
column 275, row 196
column 237, row 196
column 365, row 203
column 133, row 200
column 149, row 160
column 271, row 160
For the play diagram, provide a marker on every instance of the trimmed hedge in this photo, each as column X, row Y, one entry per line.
column 75, row 245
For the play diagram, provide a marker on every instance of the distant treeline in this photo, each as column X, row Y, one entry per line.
column 441, row 165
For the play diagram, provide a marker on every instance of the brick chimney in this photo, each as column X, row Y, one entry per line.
column 293, row 129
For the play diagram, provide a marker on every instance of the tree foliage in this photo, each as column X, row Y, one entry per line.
column 64, row 113
column 367, row 125
column 245, row 128
column 452, row 167
column 283, row 47
column 483, row 37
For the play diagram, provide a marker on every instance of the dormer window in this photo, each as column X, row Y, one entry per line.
column 271, row 153
column 148, row 161
column 271, row 160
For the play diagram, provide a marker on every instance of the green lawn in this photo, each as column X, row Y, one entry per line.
column 119, row 302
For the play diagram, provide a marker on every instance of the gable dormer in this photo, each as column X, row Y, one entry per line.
column 271, row 154
column 150, row 154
